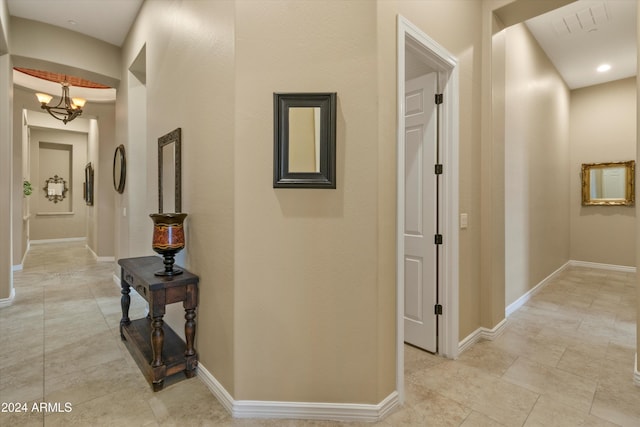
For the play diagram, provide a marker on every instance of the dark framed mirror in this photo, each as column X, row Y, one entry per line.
column 304, row 140
column 169, row 172
column 88, row 184
column 119, row 169
column 55, row 189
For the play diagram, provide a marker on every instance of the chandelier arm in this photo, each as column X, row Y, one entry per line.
column 65, row 115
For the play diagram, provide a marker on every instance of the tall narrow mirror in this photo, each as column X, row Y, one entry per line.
column 169, row 172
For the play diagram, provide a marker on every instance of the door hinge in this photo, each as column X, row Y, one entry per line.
column 438, row 169
column 438, row 309
column 439, row 98
column 438, row 239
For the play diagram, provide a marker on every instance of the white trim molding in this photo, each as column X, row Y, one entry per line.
column 297, row 410
column 6, row 302
column 482, row 333
column 514, row 306
column 16, row 267
column 636, row 372
column 622, row 268
column 100, row 258
column 68, row 239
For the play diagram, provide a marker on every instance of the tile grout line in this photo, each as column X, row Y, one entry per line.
column 532, row 408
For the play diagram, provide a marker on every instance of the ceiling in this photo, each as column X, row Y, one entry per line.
column 576, row 38
column 579, row 37
column 106, row 20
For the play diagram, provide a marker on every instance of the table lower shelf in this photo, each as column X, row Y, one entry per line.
column 137, row 338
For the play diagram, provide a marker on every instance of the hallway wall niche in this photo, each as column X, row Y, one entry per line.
column 62, row 153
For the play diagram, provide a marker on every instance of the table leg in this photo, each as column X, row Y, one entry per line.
column 125, row 300
column 189, row 334
column 190, row 331
column 157, row 340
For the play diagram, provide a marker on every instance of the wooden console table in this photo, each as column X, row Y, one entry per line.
column 156, row 348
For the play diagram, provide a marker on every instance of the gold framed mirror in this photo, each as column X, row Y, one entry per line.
column 608, row 184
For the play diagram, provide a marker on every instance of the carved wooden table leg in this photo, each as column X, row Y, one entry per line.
column 157, row 342
column 125, row 300
column 189, row 334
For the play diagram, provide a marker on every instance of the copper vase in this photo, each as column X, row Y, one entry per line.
column 168, row 239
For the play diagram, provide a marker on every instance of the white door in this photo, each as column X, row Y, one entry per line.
column 420, row 251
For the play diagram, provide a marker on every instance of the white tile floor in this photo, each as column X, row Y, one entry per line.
column 565, row 359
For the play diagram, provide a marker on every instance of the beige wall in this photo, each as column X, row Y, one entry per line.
column 102, row 135
column 6, row 159
column 536, row 165
column 201, row 100
column 306, row 260
column 44, row 226
column 603, row 129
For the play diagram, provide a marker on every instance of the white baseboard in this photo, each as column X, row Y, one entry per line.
column 636, row 373
column 46, row 241
column 514, row 306
column 6, row 302
column 481, row 333
column 297, row 410
column 622, row 268
column 100, row 258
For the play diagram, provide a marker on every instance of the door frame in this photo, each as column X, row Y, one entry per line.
column 446, row 64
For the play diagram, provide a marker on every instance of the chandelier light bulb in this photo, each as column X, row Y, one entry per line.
column 78, row 102
column 43, row 98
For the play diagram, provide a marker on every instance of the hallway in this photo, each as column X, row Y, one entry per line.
column 564, row 359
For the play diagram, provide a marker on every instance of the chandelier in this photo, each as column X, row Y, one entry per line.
column 67, row 109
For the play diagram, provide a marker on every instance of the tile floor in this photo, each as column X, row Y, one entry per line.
column 564, row 359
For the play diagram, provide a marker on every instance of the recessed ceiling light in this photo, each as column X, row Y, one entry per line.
column 604, row 67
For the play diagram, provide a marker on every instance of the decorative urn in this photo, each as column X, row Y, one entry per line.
column 168, row 239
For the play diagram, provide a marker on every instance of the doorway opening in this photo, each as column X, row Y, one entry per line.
column 416, row 51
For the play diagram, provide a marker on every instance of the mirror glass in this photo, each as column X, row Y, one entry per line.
column 169, row 177
column 304, row 140
column 169, row 173
column 55, row 189
column 608, row 183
